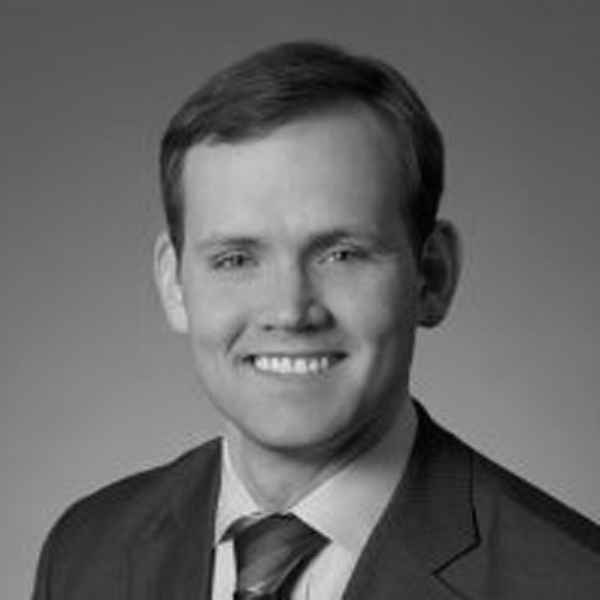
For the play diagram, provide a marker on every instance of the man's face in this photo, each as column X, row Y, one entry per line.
column 299, row 285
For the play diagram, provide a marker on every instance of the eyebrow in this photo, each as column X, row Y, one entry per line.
column 315, row 242
column 228, row 241
column 335, row 236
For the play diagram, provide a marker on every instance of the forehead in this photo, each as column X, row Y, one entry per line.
column 340, row 164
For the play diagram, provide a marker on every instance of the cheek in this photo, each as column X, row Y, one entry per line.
column 382, row 311
column 215, row 319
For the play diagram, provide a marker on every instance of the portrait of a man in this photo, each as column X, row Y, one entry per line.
column 302, row 258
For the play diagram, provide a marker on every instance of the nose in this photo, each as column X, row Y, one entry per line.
column 294, row 303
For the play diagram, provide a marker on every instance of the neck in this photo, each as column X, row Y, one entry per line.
column 279, row 478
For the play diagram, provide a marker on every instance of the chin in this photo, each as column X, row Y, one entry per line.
column 300, row 436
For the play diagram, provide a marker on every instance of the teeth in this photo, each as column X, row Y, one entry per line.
column 297, row 366
column 300, row 366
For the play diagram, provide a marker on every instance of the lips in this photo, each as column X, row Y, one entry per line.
column 295, row 364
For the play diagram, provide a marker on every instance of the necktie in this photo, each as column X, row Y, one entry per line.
column 271, row 553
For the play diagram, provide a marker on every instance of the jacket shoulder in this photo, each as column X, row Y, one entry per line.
column 102, row 525
column 503, row 493
column 525, row 543
column 531, row 541
column 125, row 505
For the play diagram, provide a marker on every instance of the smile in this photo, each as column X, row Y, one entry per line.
column 282, row 364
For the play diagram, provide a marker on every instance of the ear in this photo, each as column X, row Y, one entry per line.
column 168, row 284
column 439, row 266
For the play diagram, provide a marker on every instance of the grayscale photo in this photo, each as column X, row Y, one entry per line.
column 300, row 300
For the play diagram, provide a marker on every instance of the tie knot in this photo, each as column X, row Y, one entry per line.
column 271, row 553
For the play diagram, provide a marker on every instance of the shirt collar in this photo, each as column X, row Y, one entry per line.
column 347, row 506
column 234, row 499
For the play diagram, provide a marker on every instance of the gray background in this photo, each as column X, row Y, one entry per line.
column 93, row 385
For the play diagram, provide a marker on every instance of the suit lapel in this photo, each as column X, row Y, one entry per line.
column 172, row 557
column 427, row 526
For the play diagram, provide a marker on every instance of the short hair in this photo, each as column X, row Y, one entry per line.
column 289, row 81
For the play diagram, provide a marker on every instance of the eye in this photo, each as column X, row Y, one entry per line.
column 345, row 254
column 233, row 260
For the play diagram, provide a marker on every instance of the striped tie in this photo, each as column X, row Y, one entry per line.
column 270, row 555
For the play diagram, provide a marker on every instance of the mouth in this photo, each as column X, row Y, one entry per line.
column 295, row 364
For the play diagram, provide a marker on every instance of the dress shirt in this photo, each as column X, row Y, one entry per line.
column 344, row 508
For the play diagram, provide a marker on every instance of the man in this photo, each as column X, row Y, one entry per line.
column 301, row 189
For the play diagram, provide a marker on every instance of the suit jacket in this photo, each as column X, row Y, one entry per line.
column 457, row 527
